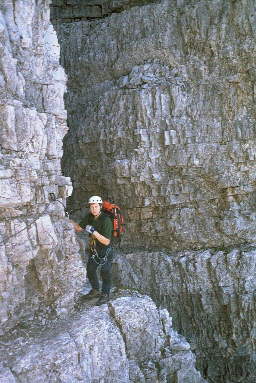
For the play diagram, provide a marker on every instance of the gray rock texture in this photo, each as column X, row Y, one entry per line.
column 43, row 338
column 162, row 120
column 161, row 109
column 161, row 114
column 211, row 294
column 129, row 340
column 40, row 267
column 66, row 11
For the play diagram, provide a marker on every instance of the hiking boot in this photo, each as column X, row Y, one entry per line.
column 93, row 293
column 104, row 298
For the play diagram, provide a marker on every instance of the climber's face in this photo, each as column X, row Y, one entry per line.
column 95, row 209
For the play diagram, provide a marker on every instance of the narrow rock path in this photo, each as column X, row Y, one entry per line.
column 130, row 332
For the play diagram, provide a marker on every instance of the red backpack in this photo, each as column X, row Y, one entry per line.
column 114, row 212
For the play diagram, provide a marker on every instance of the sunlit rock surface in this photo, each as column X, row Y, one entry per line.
column 129, row 340
column 40, row 269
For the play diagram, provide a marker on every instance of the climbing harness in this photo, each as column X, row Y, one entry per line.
column 100, row 261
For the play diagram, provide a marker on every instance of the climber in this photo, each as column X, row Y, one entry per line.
column 99, row 226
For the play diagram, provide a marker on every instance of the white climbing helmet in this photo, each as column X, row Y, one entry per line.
column 95, row 199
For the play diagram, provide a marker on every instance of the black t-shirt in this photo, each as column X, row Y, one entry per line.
column 102, row 224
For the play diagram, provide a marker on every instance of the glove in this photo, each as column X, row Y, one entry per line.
column 90, row 229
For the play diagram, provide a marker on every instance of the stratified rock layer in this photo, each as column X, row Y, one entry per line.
column 39, row 259
column 162, row 119
column 212, row 297
column 127, row 341
column 40, row 269
column 161, row 106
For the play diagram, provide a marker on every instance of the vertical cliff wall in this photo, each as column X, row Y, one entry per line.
column 40, row 267
column 43, row 338
column 211, row 295
column 161, row 112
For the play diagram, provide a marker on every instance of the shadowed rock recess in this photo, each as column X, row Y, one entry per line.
column 161, row 111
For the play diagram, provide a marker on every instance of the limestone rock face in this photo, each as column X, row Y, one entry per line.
column 42, row 338
column 212, row 297
column 129, row 340
column 162, row 119
column 39, row 259
column 161, row 113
